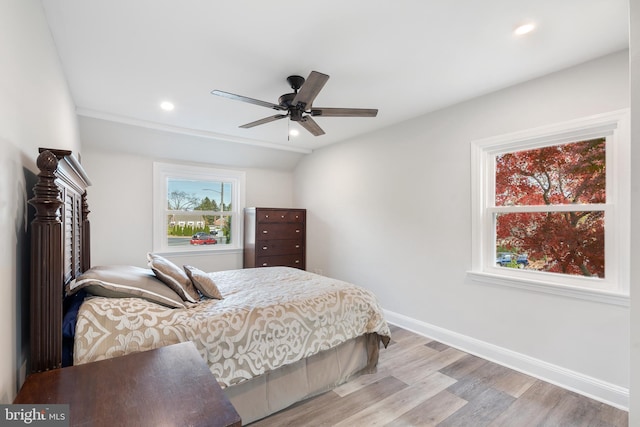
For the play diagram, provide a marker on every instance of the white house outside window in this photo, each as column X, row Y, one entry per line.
column 196, row 208
column 551, row 208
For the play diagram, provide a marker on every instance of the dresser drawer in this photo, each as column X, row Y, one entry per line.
column 279, row 216
column 280, row 260
column 279, row 247
column 273, row 230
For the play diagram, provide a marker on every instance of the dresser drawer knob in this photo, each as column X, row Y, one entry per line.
column 265, row 248
column 264, row 264
column 297, row 246
column 265, row 231
column 297, row 261
column 266, row 216
column 281, row 216
column 297, row 231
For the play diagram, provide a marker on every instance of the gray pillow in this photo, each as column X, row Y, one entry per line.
column 173, row 276
column 126, row 281
column 203, row 282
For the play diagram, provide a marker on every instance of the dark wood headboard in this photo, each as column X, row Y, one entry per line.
column 60, row 251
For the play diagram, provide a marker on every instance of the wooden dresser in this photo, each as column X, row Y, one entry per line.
column 274, row 236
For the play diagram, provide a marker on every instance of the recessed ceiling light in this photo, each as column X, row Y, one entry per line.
column 167, row 106
column 294, row 132
column 524, row 29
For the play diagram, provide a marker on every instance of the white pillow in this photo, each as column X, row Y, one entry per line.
column 173, row 276
column 203, row 282
column 125, row 281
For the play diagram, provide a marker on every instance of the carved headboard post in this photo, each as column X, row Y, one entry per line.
column 46, row 268
column 59, row 249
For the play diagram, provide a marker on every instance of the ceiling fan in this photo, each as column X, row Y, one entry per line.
column 298, row 105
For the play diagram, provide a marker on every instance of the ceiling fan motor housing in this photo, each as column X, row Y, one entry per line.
column 286, row 99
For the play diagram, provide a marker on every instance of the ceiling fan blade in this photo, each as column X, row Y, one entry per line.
column 309, row 124
column 310, row 89
column 344, row 112
column 263, row 121
column 246, row 99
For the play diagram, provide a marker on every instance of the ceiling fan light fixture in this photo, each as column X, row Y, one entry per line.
column 294, row 132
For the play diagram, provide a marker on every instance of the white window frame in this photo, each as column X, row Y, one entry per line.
column 614, row 287
column 162, row 172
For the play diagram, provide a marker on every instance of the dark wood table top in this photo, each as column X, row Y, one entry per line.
column 168, row 386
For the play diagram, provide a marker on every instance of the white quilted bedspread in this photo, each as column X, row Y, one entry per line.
column 269, row 317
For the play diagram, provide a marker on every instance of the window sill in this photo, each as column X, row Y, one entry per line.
column 601, row 296
column 199, row 252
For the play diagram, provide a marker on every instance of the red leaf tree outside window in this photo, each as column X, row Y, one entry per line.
column 566, row 241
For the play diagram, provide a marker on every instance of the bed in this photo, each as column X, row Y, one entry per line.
column 271, row 336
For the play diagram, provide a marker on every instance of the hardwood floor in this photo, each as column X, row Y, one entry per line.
column 426, row 383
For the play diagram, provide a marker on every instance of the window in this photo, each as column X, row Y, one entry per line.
column 196, row 208
column 551, row 208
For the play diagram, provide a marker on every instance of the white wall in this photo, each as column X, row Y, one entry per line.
column 145, row 141
column 121, row 203
column 35, row 111
column 391, row 211
column 634, row 46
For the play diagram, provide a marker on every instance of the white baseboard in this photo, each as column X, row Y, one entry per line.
column 594, row 388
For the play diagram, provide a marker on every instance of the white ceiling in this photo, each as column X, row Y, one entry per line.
column 404, row 57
